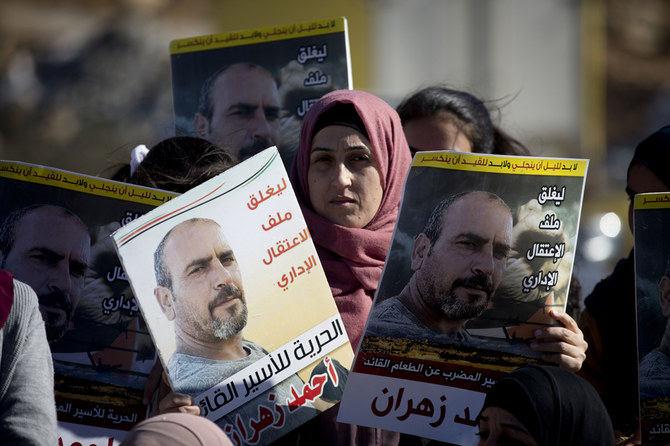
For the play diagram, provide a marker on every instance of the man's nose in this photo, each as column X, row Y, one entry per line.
column 261, row 127
column 222, row 276
column 483, row 262
column 60, row 278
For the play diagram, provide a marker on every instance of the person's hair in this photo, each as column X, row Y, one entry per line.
column 178, row 164
column 654, row 153
column 205, row 103
column 11, row 221
column 433, row 227
column 467, row 112
column 504, row 144
column 161, row 271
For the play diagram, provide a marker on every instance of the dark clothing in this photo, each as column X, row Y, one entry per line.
column 611, row 364
column 556, row 406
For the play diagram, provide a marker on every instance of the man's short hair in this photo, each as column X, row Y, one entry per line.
column 205, row 103
column 9, row 224
column 433, row 227
column 161, row 271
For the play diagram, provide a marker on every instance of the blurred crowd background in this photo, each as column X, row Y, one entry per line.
column 84, row 81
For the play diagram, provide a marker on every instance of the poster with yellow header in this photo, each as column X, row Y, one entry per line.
column 55, row 227
column 482, row 252
column 237, row 302
column 247, row 90
column 652, row 292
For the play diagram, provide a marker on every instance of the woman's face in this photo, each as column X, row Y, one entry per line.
column 498, row 427
column 437, row 132
column 344, row 182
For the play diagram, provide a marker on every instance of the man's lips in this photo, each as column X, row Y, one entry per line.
column 475, row 284
column 475, row 291
column 225, row 296
column 220, row 302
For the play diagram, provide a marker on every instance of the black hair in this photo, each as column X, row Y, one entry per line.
column 468, row 113
column 178, row 164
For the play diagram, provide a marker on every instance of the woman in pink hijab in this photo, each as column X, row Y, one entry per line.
column 348, row 175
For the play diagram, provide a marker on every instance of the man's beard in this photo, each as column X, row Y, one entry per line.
column 226, row 328
column 54, row 324
column 258, row 146
column 456, row 309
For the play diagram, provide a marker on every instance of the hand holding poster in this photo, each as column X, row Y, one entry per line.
column 482, row 251
column 237, row 302
column 652, row 289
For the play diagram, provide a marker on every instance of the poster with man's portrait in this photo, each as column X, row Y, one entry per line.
column 482, row 251
column 236, row 300
column 248, row 90
column 652, row 290
column 55, row 231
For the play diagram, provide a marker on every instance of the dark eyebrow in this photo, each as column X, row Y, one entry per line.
column 53, row 255
column 242, row 106
column 498, row 246
column 226, row 253
column 348, row 149
column 504, row 247
column 79, row 267
column 473, row 237
column 202, row 261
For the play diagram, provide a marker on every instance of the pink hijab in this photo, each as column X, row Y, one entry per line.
column 6, row 296
column 353, row 258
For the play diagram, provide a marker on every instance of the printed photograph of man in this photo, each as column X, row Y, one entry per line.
column 239, row 110
column 458, row 261
column 655, row 365
column 47, row 247
column 200, row 288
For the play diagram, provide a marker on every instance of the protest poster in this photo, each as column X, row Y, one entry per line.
column 102, row 352
column 652, row 289
column 306, row 61
column 237, row 302
column 468, row 279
